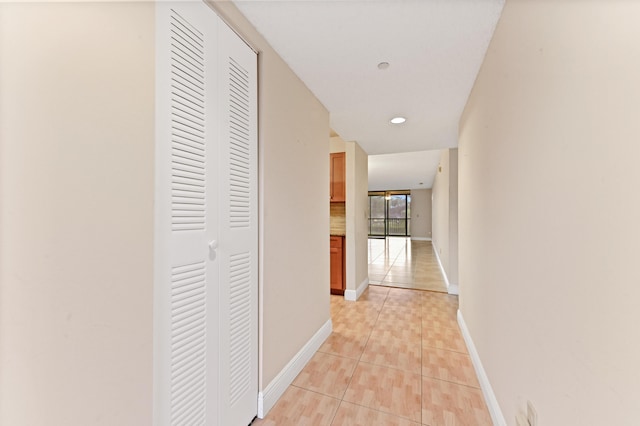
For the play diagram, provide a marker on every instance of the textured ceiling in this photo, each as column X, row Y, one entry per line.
column 434, row 48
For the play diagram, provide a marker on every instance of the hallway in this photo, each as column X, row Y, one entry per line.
column 395, row 357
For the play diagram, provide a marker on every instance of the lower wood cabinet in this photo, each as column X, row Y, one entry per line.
column 337, row 265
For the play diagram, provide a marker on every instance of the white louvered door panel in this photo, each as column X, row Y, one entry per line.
column 237, row 74
column 205, row 307
column 186, row 346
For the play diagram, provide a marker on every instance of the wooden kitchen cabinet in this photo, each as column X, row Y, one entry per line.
column 337, row 265
column 337, row 188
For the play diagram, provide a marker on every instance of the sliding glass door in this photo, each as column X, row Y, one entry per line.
column 390, row 214
column 377, row 215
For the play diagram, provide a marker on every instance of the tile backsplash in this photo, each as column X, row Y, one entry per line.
column 338, row 219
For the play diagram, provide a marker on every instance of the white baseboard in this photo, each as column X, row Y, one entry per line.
column 421, row 238
column 452, row 288
column 487, row 390
column 274, row 390
column 353, row 295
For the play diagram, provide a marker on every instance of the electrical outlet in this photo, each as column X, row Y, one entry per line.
column 532, row 416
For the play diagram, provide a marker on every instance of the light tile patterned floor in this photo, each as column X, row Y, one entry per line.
column 395, row 357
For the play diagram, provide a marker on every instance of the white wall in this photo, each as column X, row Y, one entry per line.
column 549, row 208
column 421, row 214
column 76, row 216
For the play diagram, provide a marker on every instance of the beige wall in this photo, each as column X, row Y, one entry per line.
column 421, row 213
column 294, row 169
column 76, row 216
column 453, row 267
column 440, row 206
column 337, row 144
column 357, row 213
column 445, row 215
column 549, row 205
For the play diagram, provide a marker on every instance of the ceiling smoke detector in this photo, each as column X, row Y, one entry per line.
column 383, row 65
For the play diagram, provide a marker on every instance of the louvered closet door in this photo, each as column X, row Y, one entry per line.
column 205, row 307
column 186, row 349
column 237, row 74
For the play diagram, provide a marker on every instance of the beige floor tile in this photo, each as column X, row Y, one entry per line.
column 449, row 404
column 373, row 296
column 443, row 306
column 409, row 329
column 406, row 303
column 384, row 349
column 386, row 389
column 444, row 338
column 449, row 366
column 448, row 298
column 356, row 415
column 401, row 311
column 434, row 322
column 326, row 374
column 301, row 407
column 439, row 312
column 351, row 317
column 378, row 290
column 444, row 300
column 404, row 295
column 346, row 344
column 373, row 301
column 357, row 329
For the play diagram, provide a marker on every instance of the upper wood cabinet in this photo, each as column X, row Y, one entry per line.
column 337, row 188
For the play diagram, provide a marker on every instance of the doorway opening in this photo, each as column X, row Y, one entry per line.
column 389, row 214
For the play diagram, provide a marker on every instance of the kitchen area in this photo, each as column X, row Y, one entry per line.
column 337, row 200
column 348, row 207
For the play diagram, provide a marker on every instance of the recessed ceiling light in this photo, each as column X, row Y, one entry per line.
column 383, row 65
column 398, row 120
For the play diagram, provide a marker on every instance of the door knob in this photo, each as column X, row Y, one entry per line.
column 213, row 245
